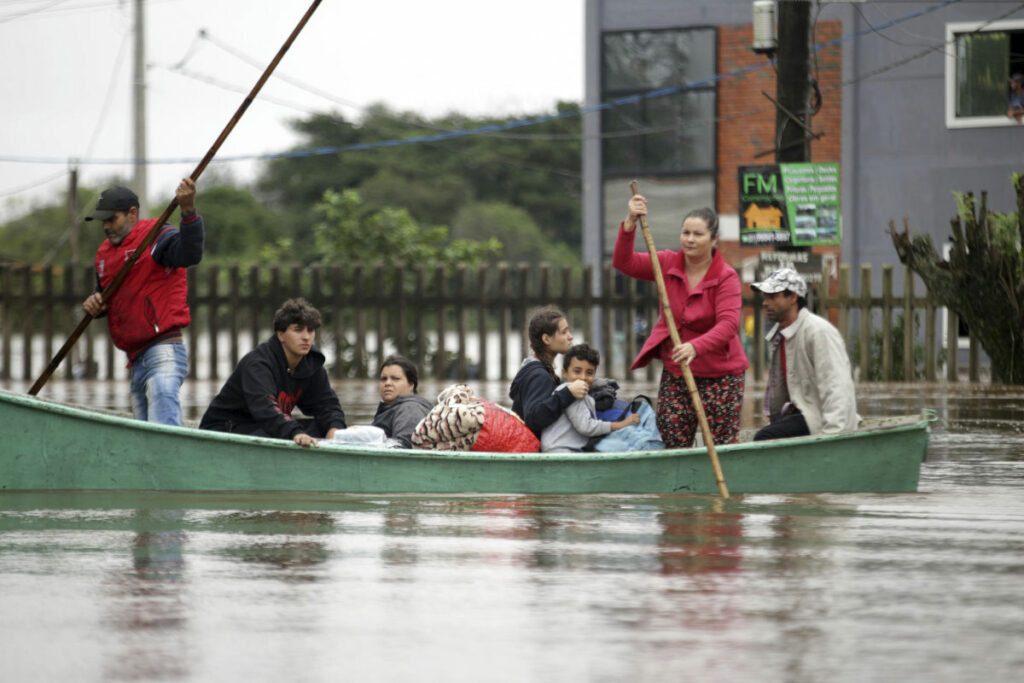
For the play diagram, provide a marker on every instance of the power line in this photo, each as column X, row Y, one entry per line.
column 501, row 129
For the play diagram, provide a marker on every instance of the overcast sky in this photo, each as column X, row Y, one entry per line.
column 66, row 66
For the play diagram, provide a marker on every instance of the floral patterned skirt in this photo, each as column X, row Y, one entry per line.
column 722, row 398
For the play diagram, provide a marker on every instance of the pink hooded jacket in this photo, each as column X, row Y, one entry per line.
column 708, row 316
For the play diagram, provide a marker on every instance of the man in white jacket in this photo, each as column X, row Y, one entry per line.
column 810, row 384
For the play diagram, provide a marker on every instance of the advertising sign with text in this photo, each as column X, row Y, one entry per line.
column 789, row 205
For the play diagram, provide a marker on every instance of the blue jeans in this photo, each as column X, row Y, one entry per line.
column 156, row 377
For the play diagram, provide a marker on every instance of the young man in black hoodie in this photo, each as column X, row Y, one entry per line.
column 281, row 373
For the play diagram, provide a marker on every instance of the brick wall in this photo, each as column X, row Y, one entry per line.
column 746, row 118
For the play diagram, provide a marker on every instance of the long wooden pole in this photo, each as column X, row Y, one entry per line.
column 666, row 310
column 116, row 283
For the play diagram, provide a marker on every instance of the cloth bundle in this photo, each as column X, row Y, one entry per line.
column 463, row 422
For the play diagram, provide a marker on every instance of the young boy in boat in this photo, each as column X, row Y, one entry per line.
column 282, row 373
column 578, row 423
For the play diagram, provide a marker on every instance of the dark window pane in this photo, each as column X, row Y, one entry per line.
column 670, row 134
column 645, row 60
column 982, row 73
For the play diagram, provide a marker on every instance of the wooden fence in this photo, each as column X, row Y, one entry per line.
column 460, row 324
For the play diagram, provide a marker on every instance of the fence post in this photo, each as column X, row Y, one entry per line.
column 460, row 318
column 865, row 322
column 254, row 305
column 359, row 354
column 608, row 315
column 972, row 359
column 48, row 304
column 26, row 322
column 505, row 320
column 212, row 275
column 759, row 333
column 481, row 322
column 440, row 361
column 952, row 345
column 338, row 304
column 887, row 322
column 6, row 298
column 930, row 372
column 844, row 304
column 379, row 320
column 908, row 324
column 92, row 369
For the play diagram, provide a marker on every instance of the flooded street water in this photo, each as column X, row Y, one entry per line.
column 923, row 586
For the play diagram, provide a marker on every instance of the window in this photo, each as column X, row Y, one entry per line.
column 979, row 62
column 667, row 140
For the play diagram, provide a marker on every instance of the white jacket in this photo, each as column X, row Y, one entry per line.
column 818, row 374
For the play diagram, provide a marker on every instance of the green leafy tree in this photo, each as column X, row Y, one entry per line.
column 237, row 226
column 522, row 240
column 535, row 168
column 983, row 279
column 349, row 231
column 38, row 235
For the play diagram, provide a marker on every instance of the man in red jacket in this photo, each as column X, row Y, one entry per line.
column 149, row 310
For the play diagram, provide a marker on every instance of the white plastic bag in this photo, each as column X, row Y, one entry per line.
column 363, row 435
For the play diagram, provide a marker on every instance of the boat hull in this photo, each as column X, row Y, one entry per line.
column 51, row 446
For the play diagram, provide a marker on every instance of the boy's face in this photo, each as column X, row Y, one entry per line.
column 580, row 369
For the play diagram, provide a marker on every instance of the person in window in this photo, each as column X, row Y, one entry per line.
column 1015, row 110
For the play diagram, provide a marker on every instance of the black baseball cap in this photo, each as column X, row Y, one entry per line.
column 111, row 201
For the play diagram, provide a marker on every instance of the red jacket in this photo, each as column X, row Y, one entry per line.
column 707, row 316
column 151, row 301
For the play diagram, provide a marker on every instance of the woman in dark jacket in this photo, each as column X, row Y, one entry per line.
column 533, row 391
column 401, row 408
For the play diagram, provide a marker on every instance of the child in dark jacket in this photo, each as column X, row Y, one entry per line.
column 284, row 372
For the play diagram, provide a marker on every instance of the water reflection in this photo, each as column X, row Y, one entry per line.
column 148, row 607
column 286, row 541
column 698, row 543
column 839, row 587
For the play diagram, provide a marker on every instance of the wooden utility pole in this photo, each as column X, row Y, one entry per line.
column 793, row 88
column 139, row 108
column 73, row 222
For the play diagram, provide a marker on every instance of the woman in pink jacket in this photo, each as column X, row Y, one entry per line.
column 706, row 298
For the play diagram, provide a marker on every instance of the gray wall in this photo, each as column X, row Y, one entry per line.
column 899, row 158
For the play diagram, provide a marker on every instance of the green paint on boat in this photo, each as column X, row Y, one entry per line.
column 50, row 446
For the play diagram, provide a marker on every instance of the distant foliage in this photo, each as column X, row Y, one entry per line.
column 349, row 232
column 522, row 187
column 535, row 170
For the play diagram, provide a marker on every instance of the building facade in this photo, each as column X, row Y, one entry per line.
column 912, row 107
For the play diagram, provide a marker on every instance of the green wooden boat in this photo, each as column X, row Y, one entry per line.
column 52, row 446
